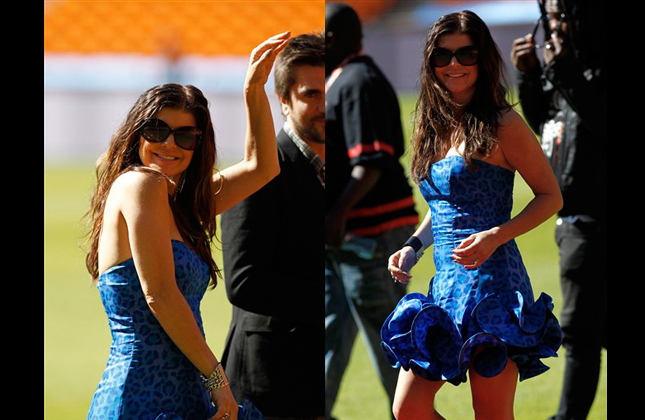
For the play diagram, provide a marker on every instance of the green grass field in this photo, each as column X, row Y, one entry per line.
column 77, row 338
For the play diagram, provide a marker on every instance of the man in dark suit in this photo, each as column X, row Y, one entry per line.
column 274, row 255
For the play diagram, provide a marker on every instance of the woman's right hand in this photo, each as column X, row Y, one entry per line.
column 225, row 403
column 400, row 263
column 263, row 57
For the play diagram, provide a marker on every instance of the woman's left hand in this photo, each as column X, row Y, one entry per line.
column 476, row 249
column 263, row 57
column 224, row 400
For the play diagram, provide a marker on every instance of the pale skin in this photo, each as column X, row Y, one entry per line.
column 517, row 150
column 139, row 224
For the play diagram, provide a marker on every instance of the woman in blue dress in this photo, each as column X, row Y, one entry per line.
column 480, row 317
column 153, row 217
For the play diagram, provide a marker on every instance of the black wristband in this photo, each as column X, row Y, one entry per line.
column 414, row 242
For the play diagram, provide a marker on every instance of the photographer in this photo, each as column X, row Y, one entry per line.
column 565, row 101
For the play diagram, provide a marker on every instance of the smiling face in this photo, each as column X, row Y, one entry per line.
column 167, row 157
column 458, row 79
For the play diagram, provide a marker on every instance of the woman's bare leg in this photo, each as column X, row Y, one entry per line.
column 414, row 397
column 493, row 398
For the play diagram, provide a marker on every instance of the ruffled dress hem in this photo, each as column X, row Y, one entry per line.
column 420, row 335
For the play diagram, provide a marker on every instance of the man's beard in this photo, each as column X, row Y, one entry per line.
column 308, row 131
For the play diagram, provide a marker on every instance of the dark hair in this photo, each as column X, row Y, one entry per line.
column 302, row 50
column 194, row 206
column 342, row 22
column 343, row 34
column 587, row 31
column 435, row 119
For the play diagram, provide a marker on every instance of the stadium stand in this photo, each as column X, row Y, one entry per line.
column 202, row 28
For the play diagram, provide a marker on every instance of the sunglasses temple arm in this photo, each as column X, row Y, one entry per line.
column 544, row 18
column 534, row 31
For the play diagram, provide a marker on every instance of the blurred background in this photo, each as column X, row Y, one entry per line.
column 99, row 56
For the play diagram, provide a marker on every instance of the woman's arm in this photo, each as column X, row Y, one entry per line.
column 148, row 217
column 523, row 152
column 402, row 261
column 260, row 163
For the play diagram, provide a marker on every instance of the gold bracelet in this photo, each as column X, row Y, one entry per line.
column 216, row 380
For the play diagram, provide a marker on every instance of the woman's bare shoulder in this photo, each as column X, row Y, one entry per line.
column 139, row 187
column 513, row 129
column 140, row 180
column 509, row 118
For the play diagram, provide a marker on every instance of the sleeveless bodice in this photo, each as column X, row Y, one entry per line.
column 147, row 377
column 463, row 202
column 128, row 313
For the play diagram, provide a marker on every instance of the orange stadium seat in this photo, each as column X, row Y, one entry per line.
column 203, row 28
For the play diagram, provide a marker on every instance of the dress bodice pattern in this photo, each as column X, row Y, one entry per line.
column 147, row 377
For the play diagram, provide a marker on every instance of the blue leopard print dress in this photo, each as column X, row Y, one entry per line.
column 147, row 377
column 491, row 307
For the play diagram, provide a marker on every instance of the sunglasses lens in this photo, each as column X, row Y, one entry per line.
column 467, row 58
column 441, row 58
column 155, row 134
column 188, row 139
column 155, row 131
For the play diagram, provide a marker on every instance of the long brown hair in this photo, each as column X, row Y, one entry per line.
column 194, row 206
column 435, row 119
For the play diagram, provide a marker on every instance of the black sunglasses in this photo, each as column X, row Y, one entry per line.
column 156, row 131
column 466, row 56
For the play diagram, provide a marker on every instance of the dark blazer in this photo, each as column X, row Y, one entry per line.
column 273, row 269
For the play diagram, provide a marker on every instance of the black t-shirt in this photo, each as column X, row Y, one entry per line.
column 363, row 127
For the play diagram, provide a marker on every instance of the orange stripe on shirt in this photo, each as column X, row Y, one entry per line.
column 384, row 227
column 377, row 146
column 382, row 209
